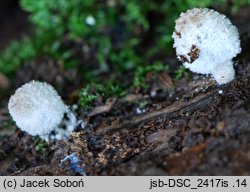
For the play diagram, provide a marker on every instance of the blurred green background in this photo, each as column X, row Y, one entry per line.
column 98, row 38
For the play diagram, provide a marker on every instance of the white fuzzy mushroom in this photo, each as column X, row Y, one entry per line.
column 206, row 42
column 37, row 108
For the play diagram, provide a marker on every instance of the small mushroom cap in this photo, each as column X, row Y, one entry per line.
column 205, row 40
column 37, row 108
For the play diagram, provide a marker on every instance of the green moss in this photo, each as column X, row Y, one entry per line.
column 40, row 145
column 96, row 91
column 124, row 36
column 141, row 72
column 86, row 97
column 181, row 72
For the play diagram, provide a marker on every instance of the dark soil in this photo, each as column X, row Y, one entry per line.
column 202, row 133
column 199, row 129
column 13, row 22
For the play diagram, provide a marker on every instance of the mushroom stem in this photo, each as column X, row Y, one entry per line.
column 224, row 73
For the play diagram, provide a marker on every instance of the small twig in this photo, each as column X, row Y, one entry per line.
column 103, row 108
